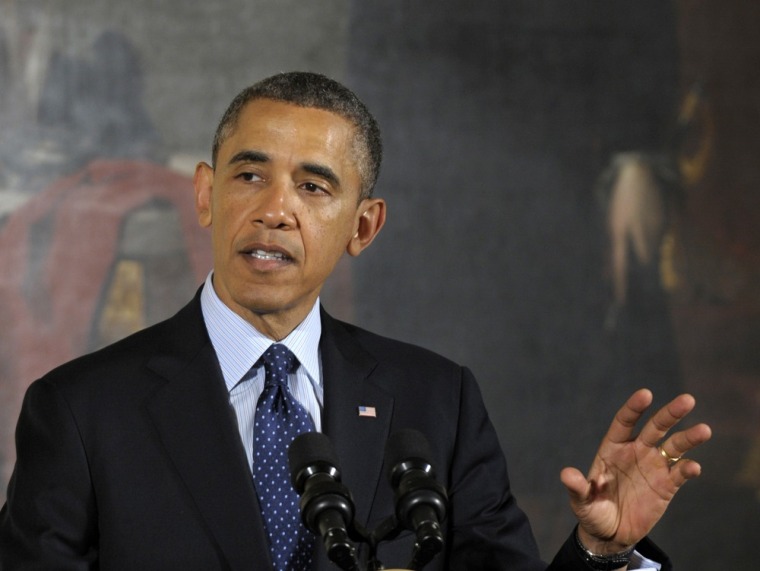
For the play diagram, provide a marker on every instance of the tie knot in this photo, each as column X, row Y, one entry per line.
column 278, row 362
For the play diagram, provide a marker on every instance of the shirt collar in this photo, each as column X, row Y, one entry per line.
column 239, row 345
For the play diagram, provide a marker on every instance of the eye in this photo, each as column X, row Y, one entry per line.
column 313, row 187
column 248, row 176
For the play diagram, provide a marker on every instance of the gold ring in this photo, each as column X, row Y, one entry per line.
column 671, row 459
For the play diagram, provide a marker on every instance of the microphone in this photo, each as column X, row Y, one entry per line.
column 420, row 501
column 327, row 507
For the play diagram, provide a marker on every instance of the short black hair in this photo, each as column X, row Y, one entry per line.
column 307, row 89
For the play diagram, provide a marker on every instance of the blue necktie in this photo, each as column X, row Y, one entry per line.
column 279, row 419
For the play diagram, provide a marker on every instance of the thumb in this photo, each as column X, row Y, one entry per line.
column 577, row 486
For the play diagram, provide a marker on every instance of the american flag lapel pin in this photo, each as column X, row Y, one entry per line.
column 368, row 411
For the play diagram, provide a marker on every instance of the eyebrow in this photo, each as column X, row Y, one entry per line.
column 321, row 170
column 251, row 156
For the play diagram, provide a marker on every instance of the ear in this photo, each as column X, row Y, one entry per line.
column 203, row 181
column 370, row 219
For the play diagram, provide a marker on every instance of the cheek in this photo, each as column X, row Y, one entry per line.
column 344, row 227
column 330, row 240
column 223, row 235
column 231, row 217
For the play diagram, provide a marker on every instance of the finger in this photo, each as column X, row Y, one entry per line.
column 685, row 470
column 682, row 442
column 666, row 418
column 621, row 429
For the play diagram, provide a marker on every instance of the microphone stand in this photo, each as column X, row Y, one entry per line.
column 426, row 546
column 388, row 529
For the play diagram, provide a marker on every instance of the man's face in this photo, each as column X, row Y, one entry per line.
column 283, row 205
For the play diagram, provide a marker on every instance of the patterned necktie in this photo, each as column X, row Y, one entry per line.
column 279, row 419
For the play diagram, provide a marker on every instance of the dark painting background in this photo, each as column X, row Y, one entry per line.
column 509, row 127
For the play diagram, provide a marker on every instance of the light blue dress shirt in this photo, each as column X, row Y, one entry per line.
column 239, row 345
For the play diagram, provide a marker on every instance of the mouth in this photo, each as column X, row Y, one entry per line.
column 269, row 255
column 266, row 257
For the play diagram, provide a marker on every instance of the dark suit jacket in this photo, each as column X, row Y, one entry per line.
column 130, row 458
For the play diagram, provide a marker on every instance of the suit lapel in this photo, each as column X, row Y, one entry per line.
column 349, row 375
column 198, row 429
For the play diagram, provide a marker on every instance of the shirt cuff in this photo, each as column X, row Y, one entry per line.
column 641, row 563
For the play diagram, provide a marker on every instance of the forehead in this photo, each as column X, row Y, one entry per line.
column 269, row 124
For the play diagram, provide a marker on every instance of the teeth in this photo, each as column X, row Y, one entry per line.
column 264, row 255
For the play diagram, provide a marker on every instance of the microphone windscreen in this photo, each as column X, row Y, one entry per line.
column 310, row 449
column 405, row 445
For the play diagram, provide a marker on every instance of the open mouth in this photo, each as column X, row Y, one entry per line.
column 268, row 255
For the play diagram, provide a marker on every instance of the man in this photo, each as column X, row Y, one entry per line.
column 149, row 453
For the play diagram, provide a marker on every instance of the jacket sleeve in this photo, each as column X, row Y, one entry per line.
column 49, row 520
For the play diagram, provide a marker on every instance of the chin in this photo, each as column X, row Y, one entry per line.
column 263, row 305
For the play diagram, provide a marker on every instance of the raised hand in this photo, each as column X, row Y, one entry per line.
column 633, row 478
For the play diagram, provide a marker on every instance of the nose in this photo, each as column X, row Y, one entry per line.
column 275, row 203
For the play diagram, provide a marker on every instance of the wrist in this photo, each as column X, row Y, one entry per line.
column 599, row 546
column 601, row 559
